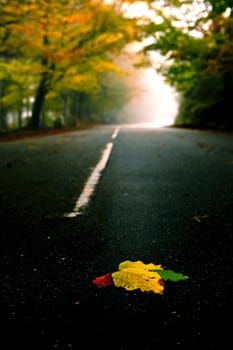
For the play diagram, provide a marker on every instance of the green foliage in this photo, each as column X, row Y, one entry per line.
column 170, row 275
column 201, row 68
column 219, row 6
column 201, row 105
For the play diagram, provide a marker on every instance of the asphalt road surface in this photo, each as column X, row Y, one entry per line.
column 74, row 206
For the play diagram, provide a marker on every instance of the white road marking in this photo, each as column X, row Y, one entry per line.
column 114, row 135
column 91, row 183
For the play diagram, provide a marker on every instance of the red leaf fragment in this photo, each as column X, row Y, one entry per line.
column 103, row 281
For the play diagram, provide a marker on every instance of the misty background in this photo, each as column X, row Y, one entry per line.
column 152, row 100
column 155, row 101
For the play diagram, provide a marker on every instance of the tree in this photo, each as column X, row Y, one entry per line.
column 219, row 7
column 70, row 43
column 200, row 67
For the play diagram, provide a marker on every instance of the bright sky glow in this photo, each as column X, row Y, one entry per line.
column 157, row 103
column 139, row 9
column 183, row 16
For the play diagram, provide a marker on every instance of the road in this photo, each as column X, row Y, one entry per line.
column 75, row 205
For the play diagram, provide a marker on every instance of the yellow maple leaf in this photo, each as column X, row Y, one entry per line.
column 136, row 275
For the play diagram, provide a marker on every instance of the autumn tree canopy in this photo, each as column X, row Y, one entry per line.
column 50, row 48
column 56, row 57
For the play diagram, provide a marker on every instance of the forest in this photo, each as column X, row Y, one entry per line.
column 62, row 63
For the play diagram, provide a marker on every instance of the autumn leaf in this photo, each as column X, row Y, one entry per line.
column 136, row 275
column 103, row 281
column 170, row 275
column 133, row 275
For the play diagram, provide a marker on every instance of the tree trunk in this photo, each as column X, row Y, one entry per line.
column 42, row 91
column 20, row 118
column 3, row 119
column 3, row 112
column 39, row 101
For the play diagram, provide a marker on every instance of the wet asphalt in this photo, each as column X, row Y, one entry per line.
column 166, row 196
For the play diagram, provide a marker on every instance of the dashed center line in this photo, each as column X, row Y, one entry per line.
column 92, row 181
column 114, row 135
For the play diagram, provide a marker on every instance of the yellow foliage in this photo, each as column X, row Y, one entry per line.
column 104, row 41
column 86, row 82
column 106, row 66
column 75, row 18
column 74, row 80
column 136, row 275
column 51, row 95
column 77, row 79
